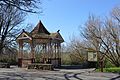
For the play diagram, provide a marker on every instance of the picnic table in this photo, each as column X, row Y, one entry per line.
column 40, row 66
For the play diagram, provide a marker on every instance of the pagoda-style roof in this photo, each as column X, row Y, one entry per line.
column 40, row 32
column 40, row 29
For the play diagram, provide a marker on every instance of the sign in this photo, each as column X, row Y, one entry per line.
column 92, row 56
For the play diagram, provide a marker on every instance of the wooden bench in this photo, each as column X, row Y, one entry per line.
column 40, row 66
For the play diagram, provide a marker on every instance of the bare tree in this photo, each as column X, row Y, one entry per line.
column 104, row 38
column 112, row 42
column 10, row 19
column 92, row 32
column 77, row 51
column 12, row 13
column 24, row 5
column 115, row 13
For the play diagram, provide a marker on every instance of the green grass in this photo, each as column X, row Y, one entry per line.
column 112, row 70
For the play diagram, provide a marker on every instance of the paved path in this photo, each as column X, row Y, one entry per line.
column 61, row 74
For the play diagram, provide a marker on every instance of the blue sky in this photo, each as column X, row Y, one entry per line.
column 69, row 15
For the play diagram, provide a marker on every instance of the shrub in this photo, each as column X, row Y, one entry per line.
column 66, row 59
column 108, row 64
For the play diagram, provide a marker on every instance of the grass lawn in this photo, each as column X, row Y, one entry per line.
column 112, row 69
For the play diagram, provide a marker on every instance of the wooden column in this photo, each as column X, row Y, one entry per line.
column 54, row 50
column 59, row 53
column 58, row 50
column 48, row 50
column 32, row 51
column 43, row 52
column 51, row 51
column 43, row 56
column 20, row 49
column 20, row 53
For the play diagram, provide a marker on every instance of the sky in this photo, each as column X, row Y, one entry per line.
column 69, row 16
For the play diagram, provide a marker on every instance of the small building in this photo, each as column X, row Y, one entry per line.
column 92, row 58
column 50, row 44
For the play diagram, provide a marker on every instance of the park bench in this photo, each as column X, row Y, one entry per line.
column 40, row 66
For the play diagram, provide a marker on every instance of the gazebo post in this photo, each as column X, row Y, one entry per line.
column 45, row 52
column 55, row 51
column 49, row 53
column 32, row 51
column 59, row 54
column 20, row 53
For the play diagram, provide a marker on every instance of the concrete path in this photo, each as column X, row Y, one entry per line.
column 59, row 74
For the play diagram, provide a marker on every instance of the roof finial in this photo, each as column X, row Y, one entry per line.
column 40, row 21
column 23, row 30
column 58, row 31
